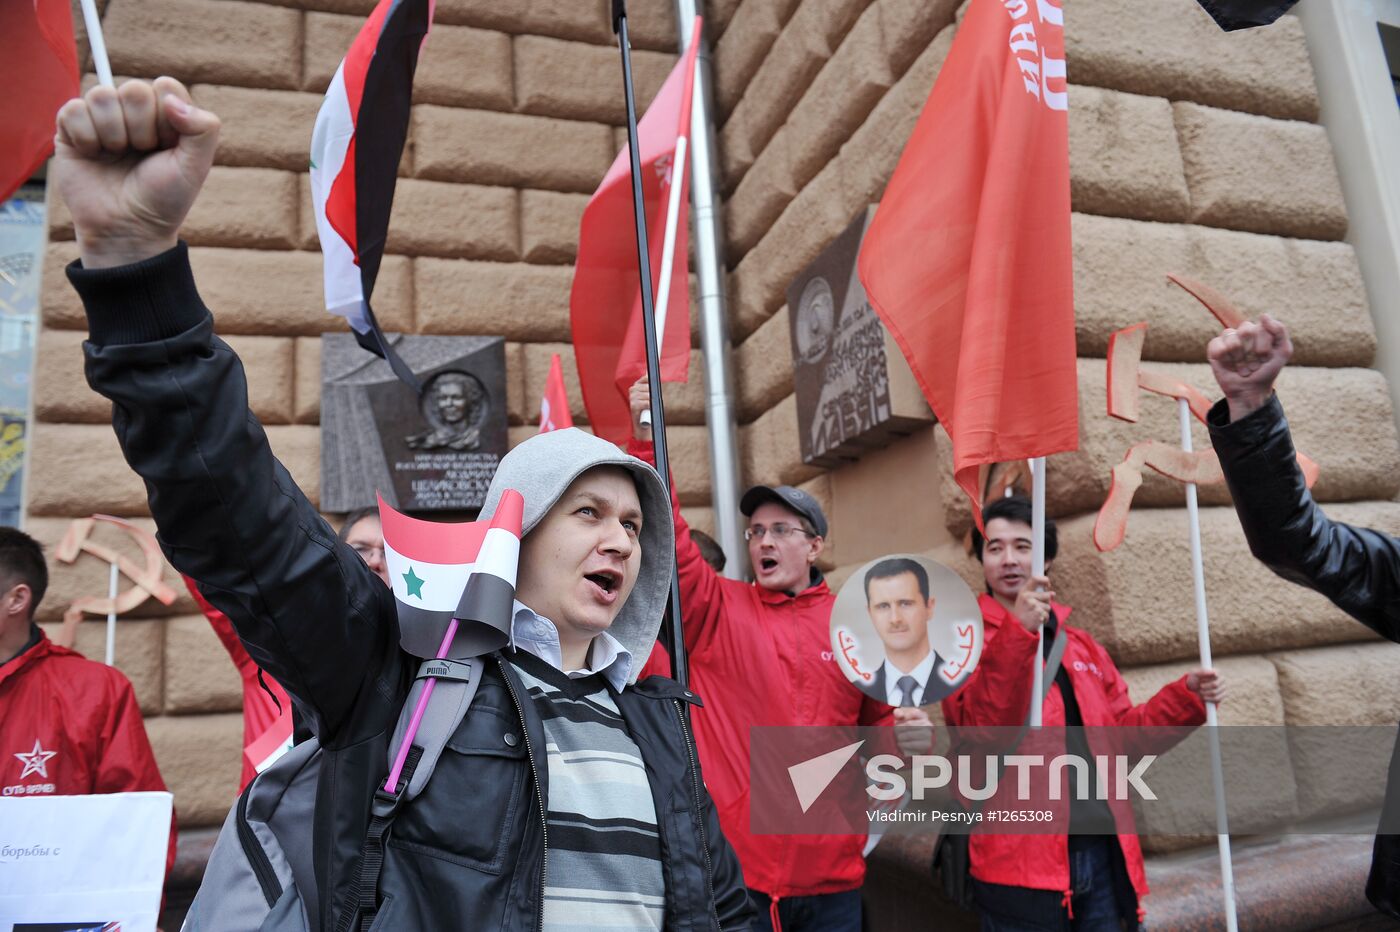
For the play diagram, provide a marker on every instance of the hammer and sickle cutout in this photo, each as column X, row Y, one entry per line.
column 147, row 578
column 1126, row 376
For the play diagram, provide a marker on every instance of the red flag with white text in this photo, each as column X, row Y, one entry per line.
column 605, row 305
column 968, row 260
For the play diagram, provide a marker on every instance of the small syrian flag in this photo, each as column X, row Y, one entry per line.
column 355, row 152
column 442, row 572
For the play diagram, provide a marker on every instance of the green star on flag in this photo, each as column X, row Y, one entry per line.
column 415, row 585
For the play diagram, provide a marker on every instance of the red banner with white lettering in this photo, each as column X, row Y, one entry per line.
column 968, row 260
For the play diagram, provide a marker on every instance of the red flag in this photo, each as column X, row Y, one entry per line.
column 39, row 64
column 968, row 260
column 554, row 406
column 605, row 306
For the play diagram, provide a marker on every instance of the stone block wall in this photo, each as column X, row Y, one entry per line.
column 517, row 115
column 1191, row 150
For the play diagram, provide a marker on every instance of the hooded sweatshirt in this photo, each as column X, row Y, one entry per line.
column 542, row 468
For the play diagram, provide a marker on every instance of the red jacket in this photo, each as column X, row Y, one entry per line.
column 262, row 707
column 71, row 727
column 763, row 658
column 999, row 694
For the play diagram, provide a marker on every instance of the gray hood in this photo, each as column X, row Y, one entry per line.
column 543, row 467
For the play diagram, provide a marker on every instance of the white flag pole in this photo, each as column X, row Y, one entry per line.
column 112, row 618
column 1038, row 569
column 98, row 46
column 1217, row 771
column 668, row 251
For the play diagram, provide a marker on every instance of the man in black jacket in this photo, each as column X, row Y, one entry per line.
column 1357, row 568
column 487, row 844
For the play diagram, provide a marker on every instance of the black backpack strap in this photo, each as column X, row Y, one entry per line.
column 382, row 812
column 456, row 685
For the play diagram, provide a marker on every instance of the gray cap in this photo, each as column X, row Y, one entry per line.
column 789, row 497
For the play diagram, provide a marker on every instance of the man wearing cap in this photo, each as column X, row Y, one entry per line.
column 760, row 655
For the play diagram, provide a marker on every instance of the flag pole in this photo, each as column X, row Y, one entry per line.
column 112, row 617
column 99, row 47
column 1038, row 569
column 1217, row 771
column 668, row 247
column 649, row 325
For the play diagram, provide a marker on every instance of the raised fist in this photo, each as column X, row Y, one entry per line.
column 129, row 163
column 1246, row 360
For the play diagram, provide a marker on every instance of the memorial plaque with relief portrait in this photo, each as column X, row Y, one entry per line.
column 434, row 452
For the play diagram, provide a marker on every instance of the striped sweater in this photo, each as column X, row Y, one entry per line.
column 604, row 857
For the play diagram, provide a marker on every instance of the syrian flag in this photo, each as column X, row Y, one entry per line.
column 605, row 303
column 554, row 406
column 455, row 589
column 457, row 578
column 355, row 152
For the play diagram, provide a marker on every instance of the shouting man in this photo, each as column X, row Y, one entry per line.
column 567, row 797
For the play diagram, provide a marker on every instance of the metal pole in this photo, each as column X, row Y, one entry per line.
column 714, row 319
column 112, row 618
column 658, row 412
column 1038, row 569
column 93, row 22
column 1217, row 770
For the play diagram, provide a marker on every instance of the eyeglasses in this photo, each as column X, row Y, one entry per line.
column 779, row 531
column 366, row 551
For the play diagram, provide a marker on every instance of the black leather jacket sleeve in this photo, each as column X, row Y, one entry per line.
column 1357, row 568
column 732, row 903
column 227, row 512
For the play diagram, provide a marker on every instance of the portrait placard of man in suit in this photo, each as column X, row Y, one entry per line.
column 900, row 605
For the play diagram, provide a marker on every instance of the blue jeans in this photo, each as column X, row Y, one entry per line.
column 824, row 912
column 1095, row 896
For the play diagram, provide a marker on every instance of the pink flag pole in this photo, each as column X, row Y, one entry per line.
column 417, row 718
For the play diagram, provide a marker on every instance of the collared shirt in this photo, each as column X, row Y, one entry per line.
column 920, row 674
column 535, row 633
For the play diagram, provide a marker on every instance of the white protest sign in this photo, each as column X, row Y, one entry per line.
column 79, row 863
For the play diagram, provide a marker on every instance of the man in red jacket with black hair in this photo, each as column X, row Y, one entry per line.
column 760, row 655
column 1092, row 878
column 68, row 726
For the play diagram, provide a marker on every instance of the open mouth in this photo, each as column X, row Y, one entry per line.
column 606, row 580
column 767, row 564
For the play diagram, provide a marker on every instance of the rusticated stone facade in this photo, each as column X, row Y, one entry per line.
column 517, row 115
column 1192, row 150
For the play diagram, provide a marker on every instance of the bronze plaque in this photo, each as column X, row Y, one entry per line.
column 434, row 453
column 854, row 389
